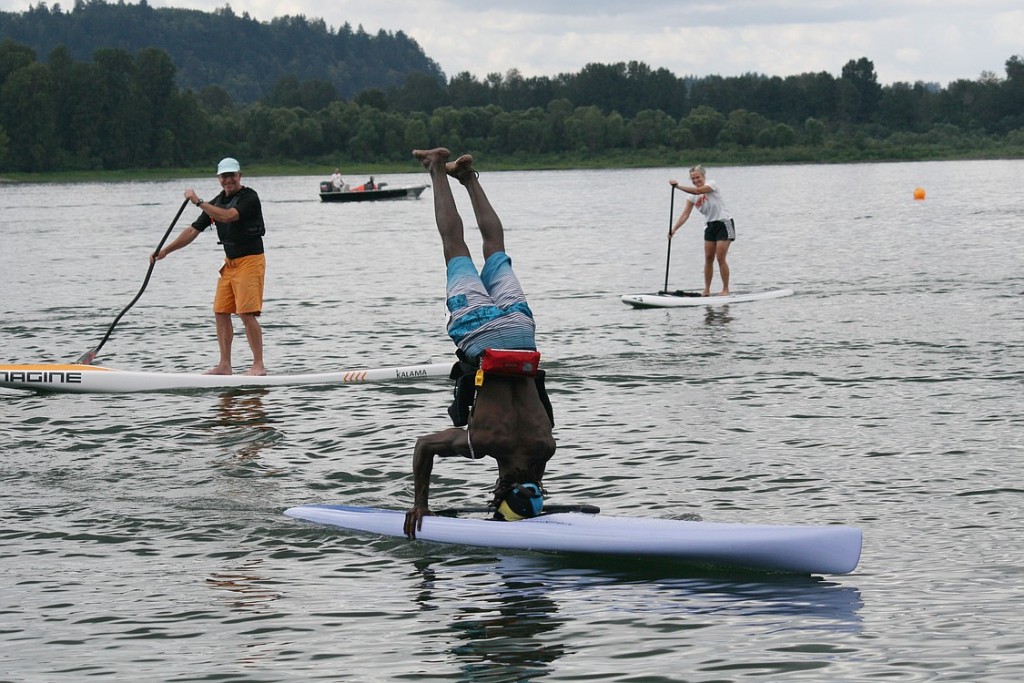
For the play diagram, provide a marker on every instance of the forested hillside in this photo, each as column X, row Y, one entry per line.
column 81, row 105
column 243, row 56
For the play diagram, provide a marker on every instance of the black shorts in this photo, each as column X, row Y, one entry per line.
column 720, row 231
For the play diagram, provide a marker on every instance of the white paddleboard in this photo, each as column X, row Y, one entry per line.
column 96, row 379
column 672, row 300
column 795, row 549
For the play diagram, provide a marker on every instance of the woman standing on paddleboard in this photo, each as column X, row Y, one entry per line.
column 720, row 231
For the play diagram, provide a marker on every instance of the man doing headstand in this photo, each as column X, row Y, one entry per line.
column 510, row 419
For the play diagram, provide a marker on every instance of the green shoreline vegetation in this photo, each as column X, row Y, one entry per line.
column 125, row 115
column 980, row 149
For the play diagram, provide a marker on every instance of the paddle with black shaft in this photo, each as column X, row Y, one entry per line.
column 671, row 216
column 668, row 257
column 547, row 510
column 89, row 356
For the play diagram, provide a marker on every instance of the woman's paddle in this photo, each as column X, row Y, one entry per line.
column 671, row 216
column 89, row 356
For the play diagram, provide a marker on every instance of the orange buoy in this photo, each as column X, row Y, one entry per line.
column 919, row 193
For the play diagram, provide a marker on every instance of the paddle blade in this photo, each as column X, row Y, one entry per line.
column 87, row 358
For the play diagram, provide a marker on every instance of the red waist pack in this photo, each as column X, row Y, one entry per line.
column 510, row 362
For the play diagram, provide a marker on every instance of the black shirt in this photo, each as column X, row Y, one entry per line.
column 243, row 237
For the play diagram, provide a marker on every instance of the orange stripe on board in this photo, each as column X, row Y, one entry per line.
column 52, row 367
column 355, row 376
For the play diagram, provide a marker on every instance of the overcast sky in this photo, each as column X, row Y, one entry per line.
column 907, row 40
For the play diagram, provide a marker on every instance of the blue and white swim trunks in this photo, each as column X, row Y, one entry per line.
column 489, row 310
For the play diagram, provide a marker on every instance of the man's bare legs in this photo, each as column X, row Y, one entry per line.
column 254, row 335
column 446, row 214
column 225, row 336
column 491, row 230
column 449, row 223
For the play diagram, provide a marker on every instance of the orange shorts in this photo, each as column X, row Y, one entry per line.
column 240, row 287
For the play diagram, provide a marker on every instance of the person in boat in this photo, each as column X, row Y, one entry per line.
column 720, row 231
column 240, row 228
column 337, row 182
column 499, row 394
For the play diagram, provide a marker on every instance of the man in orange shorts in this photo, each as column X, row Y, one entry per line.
column 238, row 215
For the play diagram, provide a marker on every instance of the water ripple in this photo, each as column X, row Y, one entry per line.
column 142, row 535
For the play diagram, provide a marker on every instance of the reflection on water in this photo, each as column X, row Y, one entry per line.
column 504, row 631
column 242, row 407
column 246, row 596
column 672, row 588
column 246, row 587
column 246, row 428
column 513, row 617
column 883, row 395
column 717, row 316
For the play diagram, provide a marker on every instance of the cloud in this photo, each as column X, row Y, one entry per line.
column 907, row 40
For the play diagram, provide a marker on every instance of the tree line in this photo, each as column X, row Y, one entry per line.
column 125, row 111
column 240, row 54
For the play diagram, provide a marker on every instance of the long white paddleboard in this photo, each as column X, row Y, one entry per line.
column 95, row 379
column 673, row 299
column 795, row 549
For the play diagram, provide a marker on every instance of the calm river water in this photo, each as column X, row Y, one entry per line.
column 142, row 536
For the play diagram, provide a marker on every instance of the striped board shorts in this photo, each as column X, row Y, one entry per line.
column 487, row 310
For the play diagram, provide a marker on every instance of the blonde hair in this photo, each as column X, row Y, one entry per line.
column 699, row 169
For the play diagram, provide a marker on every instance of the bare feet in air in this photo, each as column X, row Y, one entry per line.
column 432, row 157
column 461, row 168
